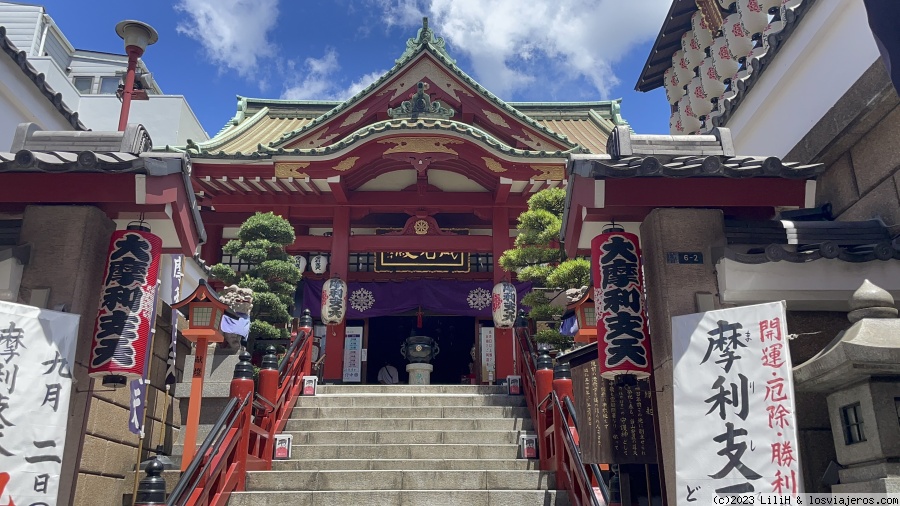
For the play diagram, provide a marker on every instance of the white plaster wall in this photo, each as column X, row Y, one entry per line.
column 21, row 101
column 168, row 118
column 830, row 49
column 57, row 79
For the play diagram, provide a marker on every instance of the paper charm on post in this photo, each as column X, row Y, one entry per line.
column 334, row 301
column 122, row 329
column 503, row 305
column 622, row 334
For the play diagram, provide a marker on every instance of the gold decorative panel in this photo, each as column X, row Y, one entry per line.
column 354, row 118
column 420, row 145
column 290, row 169
column 549, row 172
column 493, row 165
column 346, row 163
column 495, row 118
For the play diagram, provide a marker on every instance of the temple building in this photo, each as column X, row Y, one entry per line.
column 410, row 190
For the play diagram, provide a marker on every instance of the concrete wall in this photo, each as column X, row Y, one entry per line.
column 22, row 101
column 168, row 118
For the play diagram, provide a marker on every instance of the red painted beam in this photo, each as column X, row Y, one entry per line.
column 69, row 188
column 376, row 200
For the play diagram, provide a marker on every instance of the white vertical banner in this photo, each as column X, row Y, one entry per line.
column 353, row 354
column 735, row 429
column 488, row 354
column 37, row 350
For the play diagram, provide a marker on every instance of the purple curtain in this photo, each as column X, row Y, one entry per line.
column 371, row 299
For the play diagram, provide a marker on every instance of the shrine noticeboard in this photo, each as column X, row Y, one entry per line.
column 615, row 422
column 353, row 354
column 735, row 427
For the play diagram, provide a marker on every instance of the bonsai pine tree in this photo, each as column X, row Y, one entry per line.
column 539, row 257
column 273, row 275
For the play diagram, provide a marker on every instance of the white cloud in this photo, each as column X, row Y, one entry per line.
column 233, row 33
column 514, row 46
column 316, row 80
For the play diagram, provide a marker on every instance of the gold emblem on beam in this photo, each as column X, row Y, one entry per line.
column 493, row 165
column 495, row 118
column 549, row 172
column 420, row 145
column 354, row 118
column 290, row 169
column 346, row 164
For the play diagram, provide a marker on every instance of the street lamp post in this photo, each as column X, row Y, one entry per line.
column 137, row 37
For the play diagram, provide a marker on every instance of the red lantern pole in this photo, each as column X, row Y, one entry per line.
column 193, row 416
column 134, row 53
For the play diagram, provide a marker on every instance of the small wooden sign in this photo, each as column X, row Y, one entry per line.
column 684, row 257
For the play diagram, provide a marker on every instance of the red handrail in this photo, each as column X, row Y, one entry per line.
column 243, row 438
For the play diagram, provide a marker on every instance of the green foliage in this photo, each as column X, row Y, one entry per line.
column 553, row 337
column 273, row 276
column 539, row 257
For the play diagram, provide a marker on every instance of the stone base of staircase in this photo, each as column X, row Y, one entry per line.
column 405, row 445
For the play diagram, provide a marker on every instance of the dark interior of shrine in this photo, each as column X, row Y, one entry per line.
column 455, row 336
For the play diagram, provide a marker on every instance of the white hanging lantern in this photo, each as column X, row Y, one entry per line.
column 319, row 264
column 724, row 61
column 712, row 81
column 738, row 36
column 503, row 305
column 753, row 14
column 701, row 103
column 334, row 301
column 675, row 126
column 682, row 69
column 300, row 262
column 689, row 120
column 692, row 50
column 674, row 88
column 701, row 29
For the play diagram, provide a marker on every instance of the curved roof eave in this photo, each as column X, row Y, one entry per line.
column 397, row 126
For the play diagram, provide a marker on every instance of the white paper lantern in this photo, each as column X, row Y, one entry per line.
column 692, row 50
column 701, row 29
column 713, row 83
column 738, row 36
column 300, row 262
column 689, row 120
column 334, row 301
column 675, row 126
column 753, row 14
column 674, row 88
column 682, row 68
column 319, row 264
column 701, row 104
column 725, row 62
column 503, row 305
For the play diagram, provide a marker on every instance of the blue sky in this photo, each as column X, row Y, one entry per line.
column 522, row 50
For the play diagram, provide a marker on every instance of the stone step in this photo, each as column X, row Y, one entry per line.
column 412, row 412
column 410, row 389
column 405, row 437
column 400, row 480
column 401, row 464
column 401, row 424
column 403, row 498
column 409, row 400
column 406, row 451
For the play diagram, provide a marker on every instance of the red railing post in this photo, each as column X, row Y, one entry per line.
column 306, row 332
column 562, row 386
column 241, row 388
column 268, row 388
column 543, row 379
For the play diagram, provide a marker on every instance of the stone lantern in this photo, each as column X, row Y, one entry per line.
column 859, row 374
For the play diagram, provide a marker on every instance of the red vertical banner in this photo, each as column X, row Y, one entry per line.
column 622, row 336
column 122, row 329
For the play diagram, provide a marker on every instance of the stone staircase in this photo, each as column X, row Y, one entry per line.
column 405, row 445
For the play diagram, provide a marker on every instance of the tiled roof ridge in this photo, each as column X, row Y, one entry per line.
column 226, row 135
column 55, row 98
column 398, row 125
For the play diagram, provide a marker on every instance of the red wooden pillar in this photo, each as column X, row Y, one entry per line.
column 503, row 338
column 211, row 253
column 340, row 259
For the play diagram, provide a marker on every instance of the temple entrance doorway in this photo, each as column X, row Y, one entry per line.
column 454, row 334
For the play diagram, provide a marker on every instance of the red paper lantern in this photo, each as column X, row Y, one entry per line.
column 122, row 329
column 622, row 337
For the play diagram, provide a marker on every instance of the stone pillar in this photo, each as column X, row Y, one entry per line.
column 672, row 290
column 68, row 255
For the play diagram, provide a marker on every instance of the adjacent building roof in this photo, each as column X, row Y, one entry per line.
column 21, row 59
column 631, row 155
